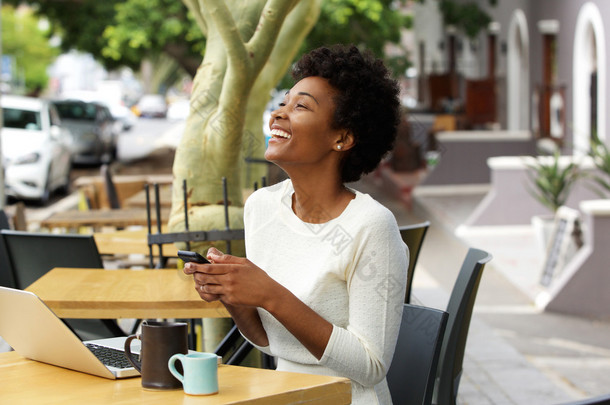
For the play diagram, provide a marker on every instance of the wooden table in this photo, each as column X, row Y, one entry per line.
column 112, row 294
column 29, row 382
column 128, row 242
column 138, row 200
column 118, row 218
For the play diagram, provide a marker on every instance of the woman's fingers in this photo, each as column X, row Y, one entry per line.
column 214, row 251
column 205, row 295
column 205, row 278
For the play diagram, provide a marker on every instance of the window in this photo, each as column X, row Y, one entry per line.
column 21, row 119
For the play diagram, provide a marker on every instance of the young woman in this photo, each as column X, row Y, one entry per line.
column 323, row 284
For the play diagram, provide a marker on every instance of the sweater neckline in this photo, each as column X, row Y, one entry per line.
column 299, row 225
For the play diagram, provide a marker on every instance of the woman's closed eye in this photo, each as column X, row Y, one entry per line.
column 297, row 105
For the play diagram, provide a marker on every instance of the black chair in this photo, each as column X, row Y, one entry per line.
column 110, row 188
column 4, row 224
column 413, row 236
column 598, row 400
column 412, row 373
column 31, row 255
column 459, row 308
column 6, row 275
column 234, row 348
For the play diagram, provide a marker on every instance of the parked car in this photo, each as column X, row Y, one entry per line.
column 152, row 105
column 35, row 148
column 93, row 130
column 124, row 117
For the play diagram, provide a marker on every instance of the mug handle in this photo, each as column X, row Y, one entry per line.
column 135, row 363
column 171, row 363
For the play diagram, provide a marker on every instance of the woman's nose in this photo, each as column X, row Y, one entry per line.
column 277, row 114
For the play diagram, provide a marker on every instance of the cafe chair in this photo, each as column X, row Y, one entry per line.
column 6, row 274
column 597, row 400
column 413, row 236
column 412, row 373
column 110, row 188
column 4, row 224
column 459, row 308
column 234, row 348
column 31, row 255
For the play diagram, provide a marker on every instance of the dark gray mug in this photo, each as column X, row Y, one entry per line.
column 160, row 341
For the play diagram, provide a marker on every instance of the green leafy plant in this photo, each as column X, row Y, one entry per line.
column 601, row 158
column 552, row 181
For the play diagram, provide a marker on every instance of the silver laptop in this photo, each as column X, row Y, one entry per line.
column 35, row 332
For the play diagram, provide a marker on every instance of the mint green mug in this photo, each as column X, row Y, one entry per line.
column 200, row 372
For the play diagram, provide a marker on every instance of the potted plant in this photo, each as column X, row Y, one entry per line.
column 601, row 158
column 552, row 181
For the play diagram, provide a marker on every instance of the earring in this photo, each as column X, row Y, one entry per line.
column 338, row 147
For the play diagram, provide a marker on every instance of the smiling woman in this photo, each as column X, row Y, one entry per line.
column 323, row 283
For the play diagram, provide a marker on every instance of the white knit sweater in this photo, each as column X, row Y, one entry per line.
column 350, row 270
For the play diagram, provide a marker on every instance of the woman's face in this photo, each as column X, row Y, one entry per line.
column 301, row 126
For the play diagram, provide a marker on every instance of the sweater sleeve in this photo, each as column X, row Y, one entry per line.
column 376, row 283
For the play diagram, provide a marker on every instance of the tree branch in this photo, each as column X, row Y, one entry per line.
column 297, row 25
column 271, row 21
column 195, row 9
column 225, row 25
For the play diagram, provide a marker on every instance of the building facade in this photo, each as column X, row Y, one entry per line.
column 550, row 62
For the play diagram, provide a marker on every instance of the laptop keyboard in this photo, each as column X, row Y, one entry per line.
column 111, row 357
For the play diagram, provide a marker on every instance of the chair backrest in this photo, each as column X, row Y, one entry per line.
column 32, row 254
column 110, row 188
column 413, row 236
column 461, row 303
column 6, row 272
column 598, row 400
column 412, row 373
column 4, row 224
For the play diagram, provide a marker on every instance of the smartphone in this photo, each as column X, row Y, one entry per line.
column 188, row 256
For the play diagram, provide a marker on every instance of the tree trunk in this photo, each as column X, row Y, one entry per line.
column 250, row 44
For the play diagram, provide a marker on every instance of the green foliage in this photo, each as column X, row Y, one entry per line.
column 23, row 39
column 468, row 17
column 601, row 157
column 552, row 181
column 369, row 24
column 141, row 28
column 78, row 23
column 123, row 32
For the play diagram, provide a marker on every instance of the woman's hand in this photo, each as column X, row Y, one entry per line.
column 233, row 280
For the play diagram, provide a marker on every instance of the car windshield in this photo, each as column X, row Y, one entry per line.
column 21, row 119
column 76, row 111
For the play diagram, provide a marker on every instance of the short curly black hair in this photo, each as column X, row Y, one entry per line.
column 366, row 103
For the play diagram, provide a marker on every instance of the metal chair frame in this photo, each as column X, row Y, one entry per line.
column 413, row 236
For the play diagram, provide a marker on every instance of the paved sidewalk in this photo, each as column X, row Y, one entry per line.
column 515, row 353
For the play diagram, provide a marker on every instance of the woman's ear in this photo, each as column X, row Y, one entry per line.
column 346, row 141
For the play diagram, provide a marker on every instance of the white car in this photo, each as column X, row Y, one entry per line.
column 152, row 105
column 35, row 148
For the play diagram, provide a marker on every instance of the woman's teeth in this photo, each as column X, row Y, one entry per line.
column 280, row 133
